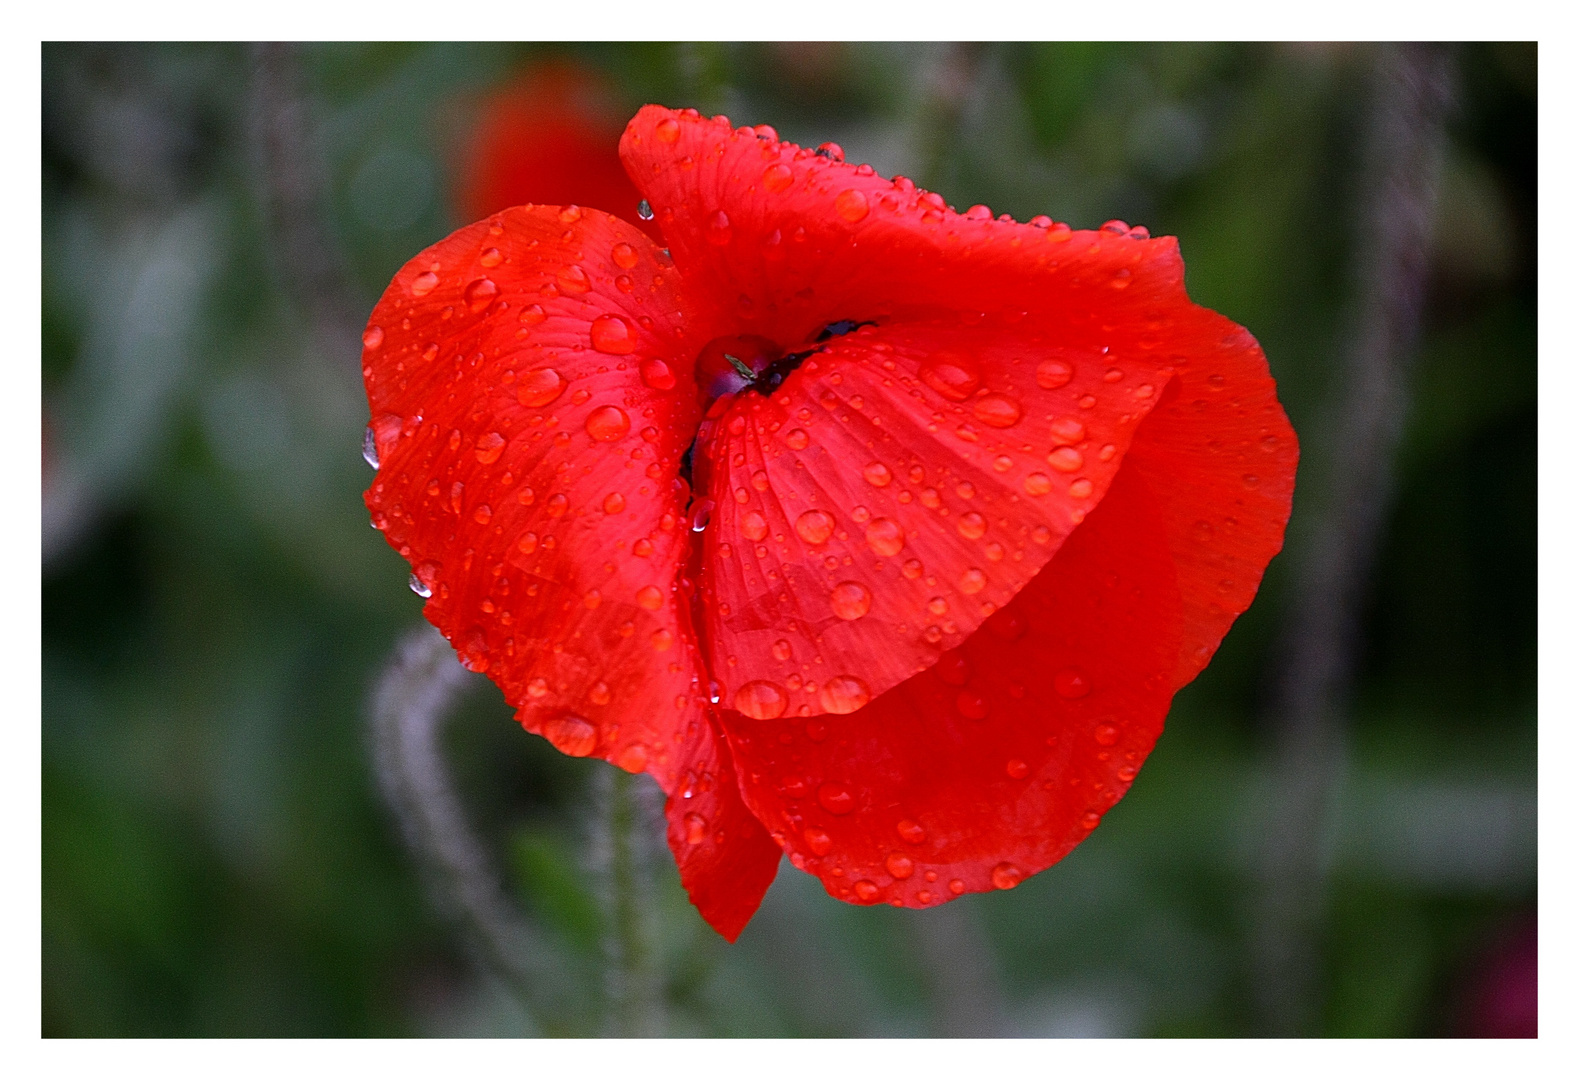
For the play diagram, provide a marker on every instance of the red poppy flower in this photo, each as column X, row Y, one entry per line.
column 551, row 136
column 880, row 535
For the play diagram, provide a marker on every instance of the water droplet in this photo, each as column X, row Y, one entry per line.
column 572, row 734
column 662, row 641
column 1066, row 459
column 910, row 832
column 644, row 209
column 831, row 150
column 650, row 597
column 419, row 588
column 954, row 376
column 814, row 526
column 1091, row 819
column 527, row 543
column 885, row 537
column 719, row 232
column 612, row 334
column 608, row 423
column 539, row 387
column 835, row 799
column 997, row 410
column 899, row 865
column 1038, row 484
column 613, row 503
column 372, row 337
column 850, row 600
column 667, row 130
column 753, row 526
column 489, row 447
column 912, row 569
column 1051, row 374
column 695, row 829
column 573, row 279
column 877, row 474
column 1016, row 769
column 818, row 840
column 776, row 177
column 972, row 526
column 866, row 890
column 1081, row 489
column 1005, row 876
column 480, row 293
column 424, row 283
column 1105, row 734
column 797, row 439
column 844, row 694
column 956, row 886
column 761, row 700
column 1071, row 683
column 850, row 204
column 483, row 514
column 701, row 514
column 557, row 505
column 633, row 759
column 533, row 314
column 1126, row 773
column 1068, row 430
column 972, row 582
column 370, row 447
column 971, row 705
column 1251, row 480
column 624, row 255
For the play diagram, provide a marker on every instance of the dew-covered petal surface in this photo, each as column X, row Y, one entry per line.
column 529, row 473
column 725, row 856
column 997, row 761
column 901, row 486
column 779, row 241
column 1219, row 457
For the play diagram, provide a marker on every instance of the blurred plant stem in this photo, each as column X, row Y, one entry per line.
column 966, row 998
column 293, row 190
column 946, row 84
column 623, row 837
column 1349, row 482
column 411, row 701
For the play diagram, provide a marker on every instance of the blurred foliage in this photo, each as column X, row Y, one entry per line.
column 216, row 860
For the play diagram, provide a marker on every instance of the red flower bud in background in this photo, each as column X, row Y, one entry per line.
column 879, row 535
column 551, row 136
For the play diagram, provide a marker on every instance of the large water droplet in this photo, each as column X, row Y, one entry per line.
column 1052, row 374
column 372, row 337
column 997, row 410
column 701, row 514
column 1038, row 484
column 844, row 694
column 424, row 283
column 797, row 439
column 419, row 588
column 612, row 334
column 972, row 581
column 877, row 474
column 650, row 597
column 776, row 177
column 573, row 279
column 850, row 600
column 572, row 734
column 370, row 447
column 814, row 526
column 753, row 526
column 761, row 700
column 866, row 890
column 885, row 537
column 489, row 447
column 972, row 526
column 539, row 387
column 850, row 204
column 480, row 293
column 835, row 799
column 608, row 423
column 1006, row 876
column 657, row 374
column 954, row 376
column 644, row 208
column 1071, row 683
column 899, row 865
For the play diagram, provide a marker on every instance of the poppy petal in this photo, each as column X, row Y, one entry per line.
column 995, row 763
column 1219, row 456
column 726, row 858
column 779, row 241
column 901, row 486
column 530, row 474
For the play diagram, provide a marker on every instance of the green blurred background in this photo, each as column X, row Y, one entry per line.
column 217, row 859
